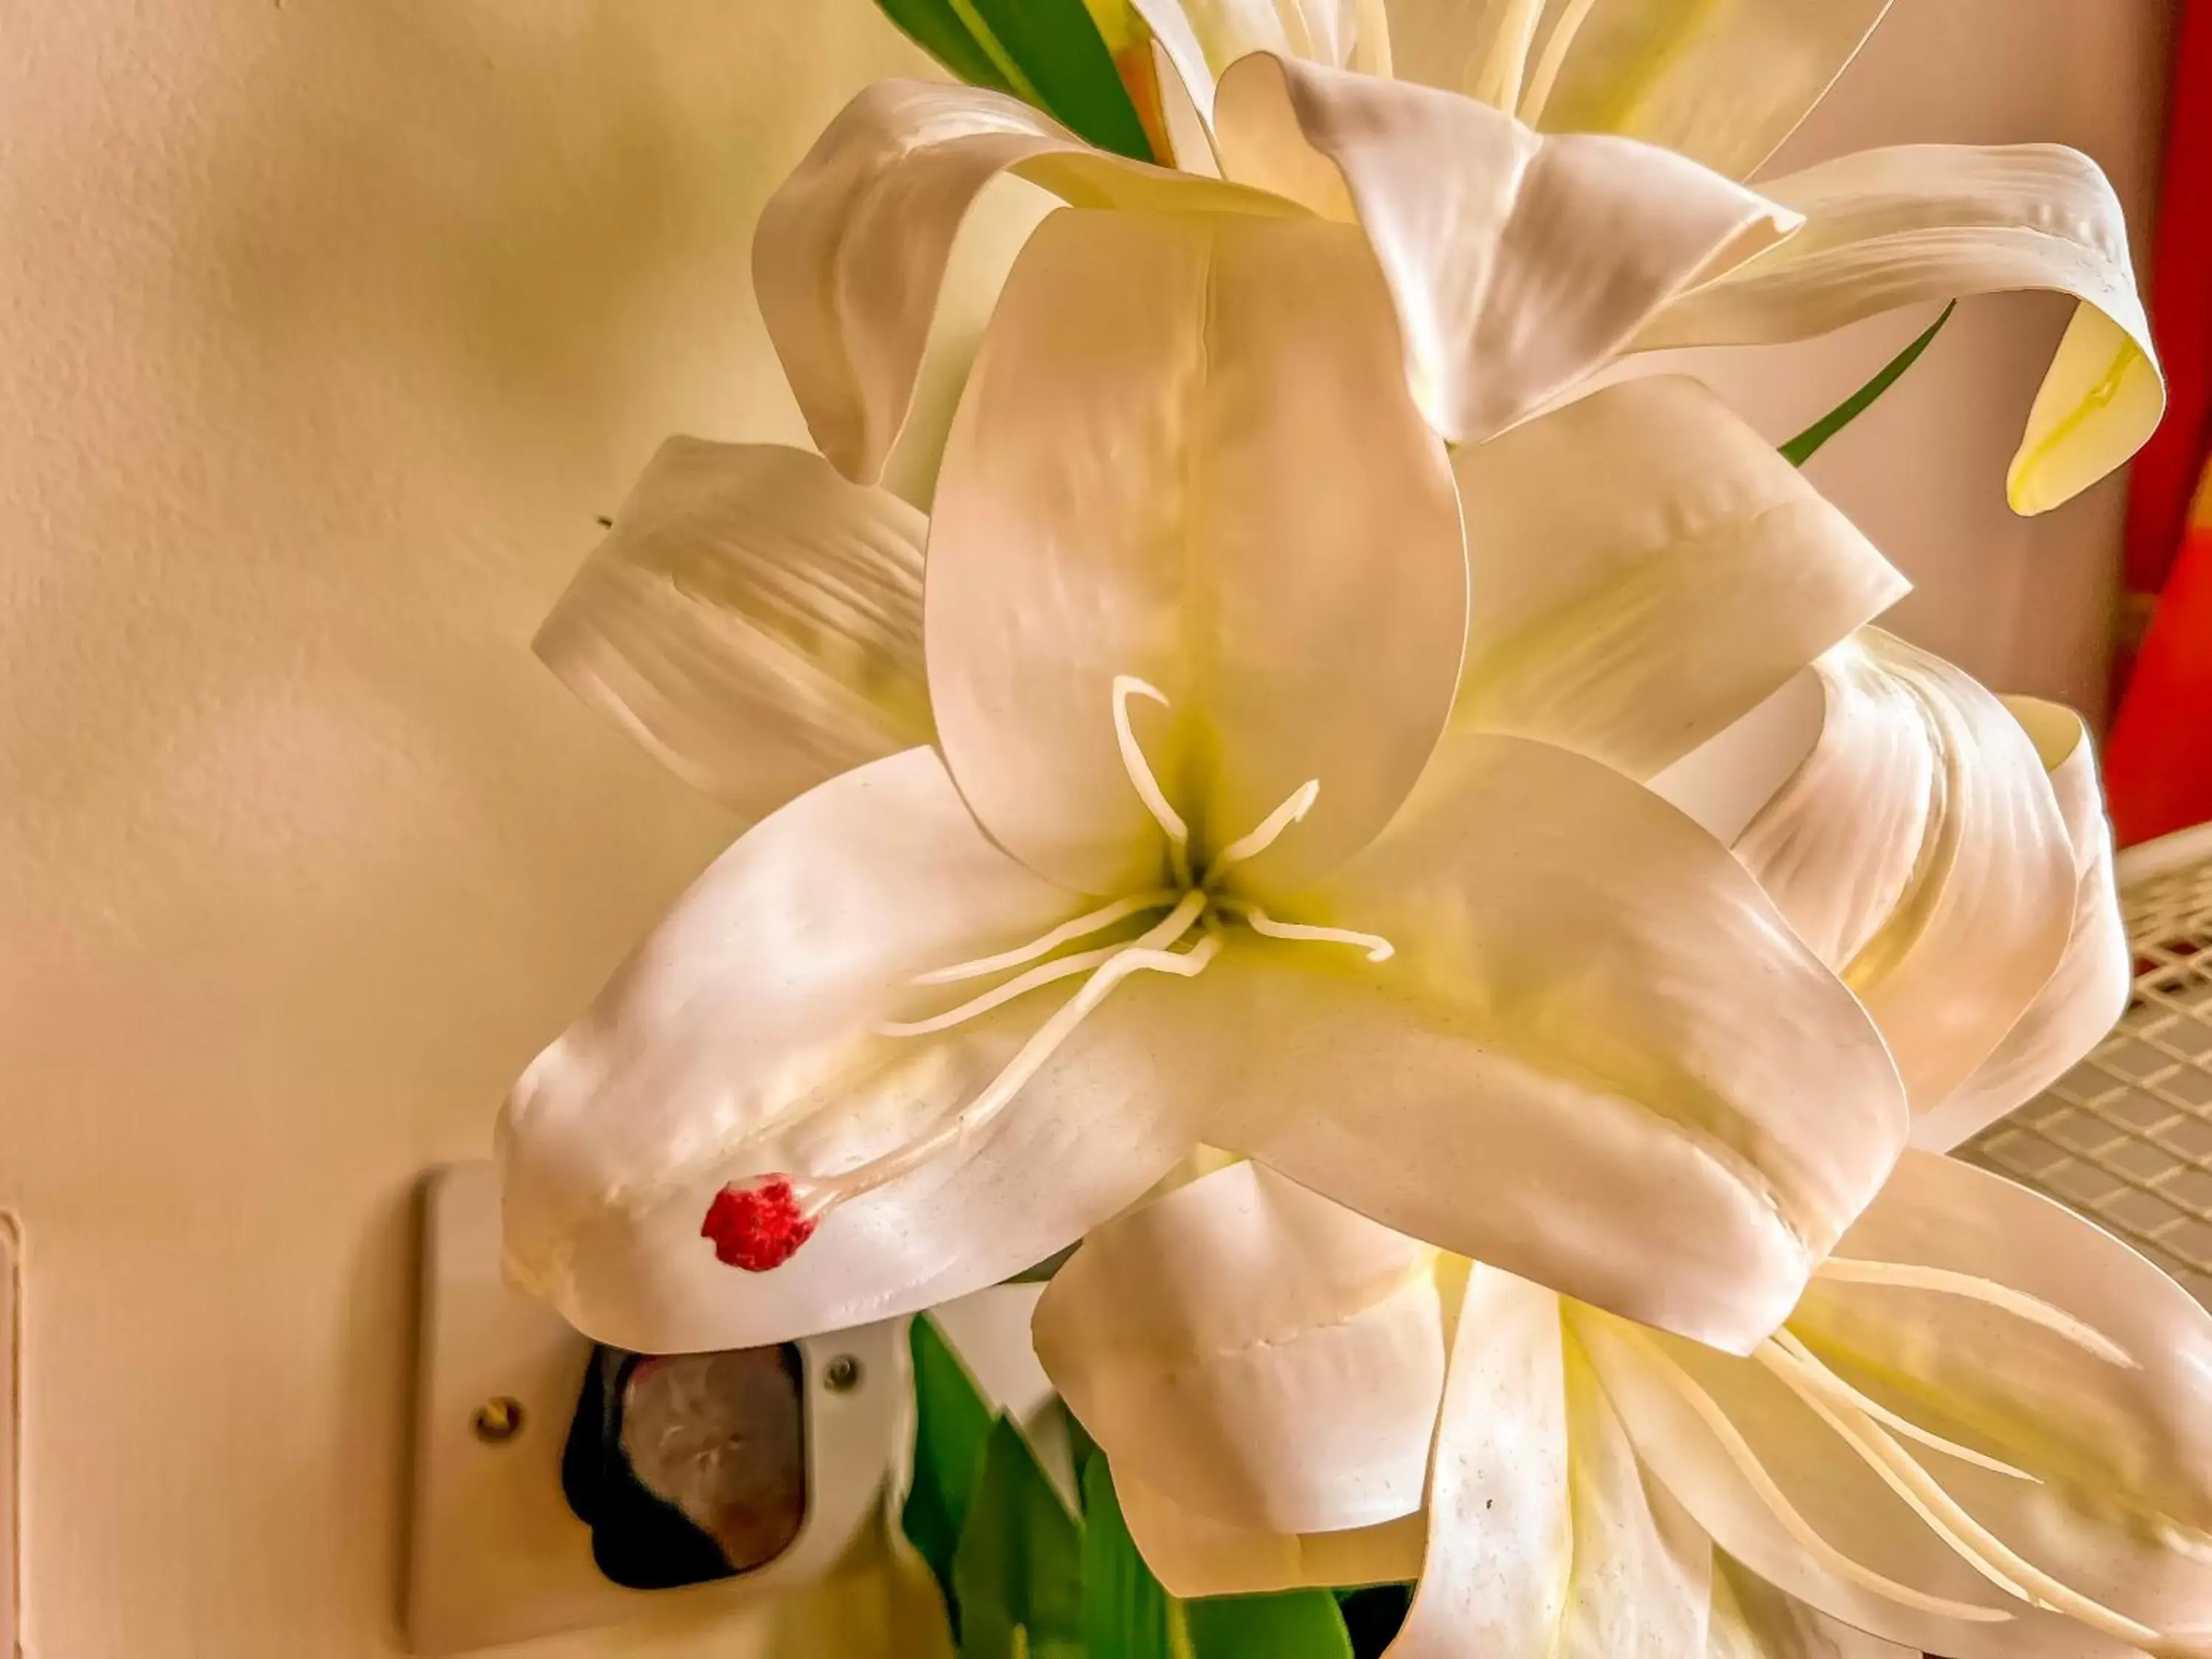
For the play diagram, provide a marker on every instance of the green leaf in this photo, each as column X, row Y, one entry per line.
column 1125, row 1611
column 952, row 1426
column 1799, row 449
column 1018, row 1573
column 1081, row 1449
column 934, row 27
column 1055, row 47
column 1296, row 1625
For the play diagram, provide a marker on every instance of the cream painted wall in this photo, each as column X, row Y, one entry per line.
column 326, row 329
column 2026, row 603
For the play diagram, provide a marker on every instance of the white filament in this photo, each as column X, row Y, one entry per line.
column 1906, row 1275
column 1374, row 41
column 1770, row 1494
column 1105, row 916
column 1148, row 953
column 1845, row 1394
column 1021, row 985
column 1297, row 32
column 1497, row 82
column 1553, row 60
column 1263, row 836
column 1967, row 1538
column 1378, row 948
column 1139, row 769
column 1853, row 1434
column 1195, row 906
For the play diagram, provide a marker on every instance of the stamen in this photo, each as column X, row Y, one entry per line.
column 1025, row 1064
column 762, row 1224
column 1105, row 916
column 1497, row 82
column 1855, row 1436
column 1972, row 1541
column 1845, row 1394
column 1552, row 61
column 1770, row 1494
column 1260, row 839
column 1147, row 786
column 1378, row 948
column 1066, row 968
column 1907, row 1275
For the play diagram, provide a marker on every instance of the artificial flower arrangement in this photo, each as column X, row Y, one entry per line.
column 1401, row 847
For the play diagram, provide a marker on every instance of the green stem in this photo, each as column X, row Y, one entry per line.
column 1800, row 448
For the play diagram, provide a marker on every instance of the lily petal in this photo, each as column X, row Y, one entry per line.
column 1518, row 264
column 2124, row 1448
column 1751, row 1619
column 1253, row 1353
column 740, row 1039
column 1633, row 622
column 1202, row 37
column 1185, row 455
column 753, row 620
column 1891, row 227
column 1559, row 1031
column 1642, row 1585
column 1545, row 1535
column 851, row 250
column 1833, row 1497
column 1722, row 84
column 1191, row 1554
column 1919, row 849
column 2085, row 996
column 1502, row 1524
column 2109, row 1425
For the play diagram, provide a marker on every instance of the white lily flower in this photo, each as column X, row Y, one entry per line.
column 1378, row 902
column 1234, row 826
column 1561, row 195
column 1971, row 909
column 1985, row 1432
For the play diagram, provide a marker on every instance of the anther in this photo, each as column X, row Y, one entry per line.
column 758, row 1224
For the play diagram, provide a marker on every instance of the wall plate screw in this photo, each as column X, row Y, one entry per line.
column 499, row 1420
column 842, row 1375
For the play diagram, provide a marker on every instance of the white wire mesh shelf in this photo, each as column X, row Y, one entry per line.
column 2126, row 1136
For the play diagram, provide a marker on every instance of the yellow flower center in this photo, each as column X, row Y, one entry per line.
column 1182, row 943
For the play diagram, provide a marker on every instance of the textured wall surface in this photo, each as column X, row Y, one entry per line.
column 327, row 327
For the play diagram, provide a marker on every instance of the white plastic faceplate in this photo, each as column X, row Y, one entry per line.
column 494, row 1553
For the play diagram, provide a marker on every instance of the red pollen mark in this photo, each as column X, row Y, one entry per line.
column 757, row 1227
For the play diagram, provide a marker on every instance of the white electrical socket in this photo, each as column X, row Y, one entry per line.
column 494, row 1552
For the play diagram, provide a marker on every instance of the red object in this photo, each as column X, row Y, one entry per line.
column 758, row 1227
column 2158, row 764
column 2163, row 481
